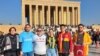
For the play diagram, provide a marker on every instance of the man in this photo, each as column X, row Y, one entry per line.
column 26, row 41
column 64, row 42
column 81, row 42
column 40, row 43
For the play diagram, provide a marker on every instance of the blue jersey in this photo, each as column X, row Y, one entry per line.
column 27, row 38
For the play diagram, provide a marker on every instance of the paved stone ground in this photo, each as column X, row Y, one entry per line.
column 93, row 51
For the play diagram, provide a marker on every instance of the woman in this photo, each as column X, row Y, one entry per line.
column 51, row 43
column 11, row 43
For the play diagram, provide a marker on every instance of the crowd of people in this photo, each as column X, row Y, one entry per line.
column 47, row 43
column 95, row 36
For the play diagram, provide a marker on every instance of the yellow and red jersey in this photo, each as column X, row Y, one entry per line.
column 64, row 42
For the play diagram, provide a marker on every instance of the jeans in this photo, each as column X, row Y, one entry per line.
column 51, row 52
column 28, row 54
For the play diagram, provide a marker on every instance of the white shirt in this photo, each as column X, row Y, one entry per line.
column 40, row 45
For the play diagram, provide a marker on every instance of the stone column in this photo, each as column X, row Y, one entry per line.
column 43, row 20
column 62, row 12
column 37, row 15
column 56, row 15
column 68, row 16
column 65, row 16
column 48, row 18
column 30, row 15
column 73, row 16
column 60, row 16
column 78, row 15
column 23, row 15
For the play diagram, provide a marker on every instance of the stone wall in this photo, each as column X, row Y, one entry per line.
column 5, row 28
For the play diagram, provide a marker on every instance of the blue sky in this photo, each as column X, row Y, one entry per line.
column 10, row 11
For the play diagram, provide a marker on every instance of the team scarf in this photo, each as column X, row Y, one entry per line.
column 51, row 41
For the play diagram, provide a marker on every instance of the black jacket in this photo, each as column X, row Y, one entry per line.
column 14, row 42
column 1, row 43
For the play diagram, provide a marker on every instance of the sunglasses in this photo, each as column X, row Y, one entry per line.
column 39, row 30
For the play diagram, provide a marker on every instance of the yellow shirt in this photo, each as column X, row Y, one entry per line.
column 86, row 41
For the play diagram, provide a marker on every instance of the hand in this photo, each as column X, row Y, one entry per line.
column 21, row 53
column 76, row 44
column 71, row 54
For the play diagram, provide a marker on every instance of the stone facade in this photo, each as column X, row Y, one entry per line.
column 5, row 28
column 47, row 12
column 50, row 12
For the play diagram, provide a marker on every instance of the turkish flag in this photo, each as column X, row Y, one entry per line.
column 78, row 50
